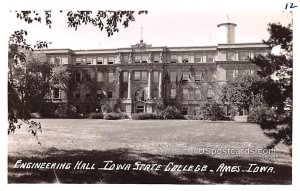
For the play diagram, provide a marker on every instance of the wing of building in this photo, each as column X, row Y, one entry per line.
column 141, row 76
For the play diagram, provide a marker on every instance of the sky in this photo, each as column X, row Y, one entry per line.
column 160, row 28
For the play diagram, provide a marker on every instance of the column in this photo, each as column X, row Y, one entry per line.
column 149, row 83
column 129, row 85
column 160, row 85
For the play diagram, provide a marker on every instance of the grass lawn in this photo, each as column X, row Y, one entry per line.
column 149, row 141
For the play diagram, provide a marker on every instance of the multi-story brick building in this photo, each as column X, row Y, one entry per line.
column 141, row 76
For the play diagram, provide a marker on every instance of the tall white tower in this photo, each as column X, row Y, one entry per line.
column 226, row 33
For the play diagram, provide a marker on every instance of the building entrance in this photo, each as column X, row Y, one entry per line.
column 139, row 107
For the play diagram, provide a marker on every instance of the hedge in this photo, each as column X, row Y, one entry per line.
column 145, row 116
column 115, row 116
column 96, row 116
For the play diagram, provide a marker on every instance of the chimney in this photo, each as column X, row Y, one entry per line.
column 226, row 33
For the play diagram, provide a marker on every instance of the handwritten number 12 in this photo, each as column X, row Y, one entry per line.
column 291, row 6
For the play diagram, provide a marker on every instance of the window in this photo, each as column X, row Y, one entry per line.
column 64, row 60
column 87, row 109
column 137, row 59
column 109, row 94
column 99, row 94
column 155, row 76
column 125, row 76
column 198, row 76
column 77, row 108
column 244, row 72
column 111, row 60
column 88, row 77
column 110, row 77
column 77, row 77
column 257, row 53
column 77, row 95
column 209, row 76
column 56, row 93
column 210, row 58
column 99, row 76
column 144, row 59
column 94, row 61
column 58, row 60
column 156, row 58
column 185, row 76
column 173, row 76
column 52, row 60
column 198, row 58
column 197, row 94
column 173, row 93
column 78, row 61
column 230, row 56
column 197, row 109
column 210, row 93
column 185, row 94
column 185, row 59
column 229, row 74
column 100, row 60
column 125, row 59
column 89, row 61
column 137, row 75
column 173, row 58
column 88, row 96
column 184, row 110
column 191, row 95
column 144, row 76
column 243, row 55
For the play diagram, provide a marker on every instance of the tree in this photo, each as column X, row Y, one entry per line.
column 20, row 97
column 276, row 70
column 242, row 92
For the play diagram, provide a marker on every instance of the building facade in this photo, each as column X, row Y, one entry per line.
column 140, row 77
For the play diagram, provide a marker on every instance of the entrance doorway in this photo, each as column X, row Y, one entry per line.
column 139, row 107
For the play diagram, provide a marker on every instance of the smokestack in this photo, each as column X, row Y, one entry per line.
column 226, row 33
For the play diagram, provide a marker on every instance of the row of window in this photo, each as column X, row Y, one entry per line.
column 197, row 58
column 100, row 94
column 137, row 75
column 187, row 76
column 59, row 60
column 174, row 76
column 242, row 55
column 232, row 74
column 192, row 94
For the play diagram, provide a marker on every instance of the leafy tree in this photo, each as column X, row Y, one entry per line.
column 20, row 97
column 241, row 92
column 276, row 86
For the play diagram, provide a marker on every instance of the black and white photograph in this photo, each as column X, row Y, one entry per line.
column 146, row 96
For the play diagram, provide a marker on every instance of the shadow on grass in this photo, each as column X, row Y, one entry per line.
column 282, row 175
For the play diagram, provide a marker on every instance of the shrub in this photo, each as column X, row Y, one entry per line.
column 213, row 111
column 96, row 116
column 261, row 114
column 194, row 117
column 115, row 116
column 66, row 111
column 171, row 112
column 144, row 116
